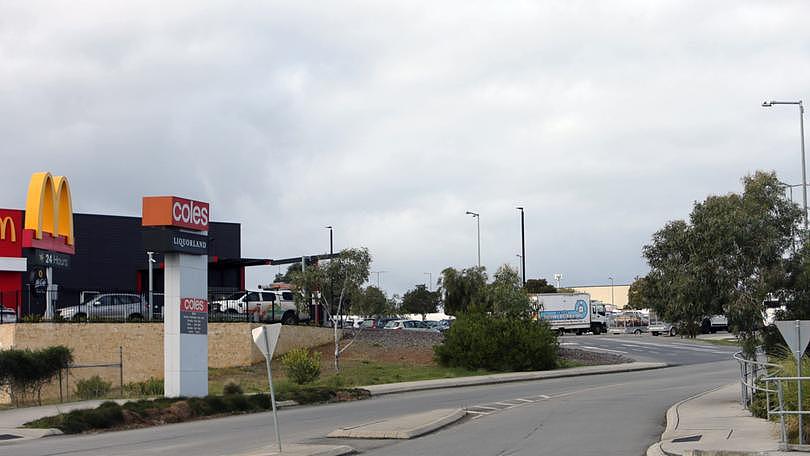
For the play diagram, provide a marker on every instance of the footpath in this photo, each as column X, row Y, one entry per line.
column 715, row 424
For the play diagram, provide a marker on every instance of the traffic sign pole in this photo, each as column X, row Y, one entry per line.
column 272, row 392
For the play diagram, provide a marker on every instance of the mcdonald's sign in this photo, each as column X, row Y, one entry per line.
column 49, row 214
column 10, row 233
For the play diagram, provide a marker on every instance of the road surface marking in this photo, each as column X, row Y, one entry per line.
column 604, row 349
column 524, row 400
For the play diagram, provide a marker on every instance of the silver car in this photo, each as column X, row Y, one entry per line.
column 108, row 306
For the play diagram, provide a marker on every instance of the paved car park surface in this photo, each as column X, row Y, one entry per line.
column 646, row 347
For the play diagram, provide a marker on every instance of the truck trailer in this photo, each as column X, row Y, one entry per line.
column 571, row 312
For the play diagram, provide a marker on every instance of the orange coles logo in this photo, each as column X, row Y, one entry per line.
column 49, row 214
column 175, row 211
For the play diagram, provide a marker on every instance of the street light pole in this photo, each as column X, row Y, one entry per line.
column 477, row 218
column 520, row 257
column 331, row 288
column 612, row 300
column 522, row 244
column 768, row 104
column 151, row 288
column 430, row 279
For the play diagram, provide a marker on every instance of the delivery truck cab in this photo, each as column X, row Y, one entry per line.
column 571, row 312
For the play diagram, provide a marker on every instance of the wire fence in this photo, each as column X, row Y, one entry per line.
column 34, row 305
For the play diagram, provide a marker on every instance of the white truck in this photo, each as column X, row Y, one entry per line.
column 571, row 312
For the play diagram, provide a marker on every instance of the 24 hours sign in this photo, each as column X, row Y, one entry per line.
column 193, row 316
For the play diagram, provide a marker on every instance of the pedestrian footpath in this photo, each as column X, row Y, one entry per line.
column 713, row 424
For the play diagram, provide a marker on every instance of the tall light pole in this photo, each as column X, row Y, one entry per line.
column 522, row 244
column 378, row 276
column 768, row 104
column 557, row 278
column 430, row 279
column 612, row 301
column 519, row 256
column 477, row 217
column 331, row 288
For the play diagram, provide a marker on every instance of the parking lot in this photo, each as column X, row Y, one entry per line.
column 646, row 347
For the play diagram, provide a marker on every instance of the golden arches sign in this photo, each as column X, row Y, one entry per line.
column 49, row 213
column 5, row 223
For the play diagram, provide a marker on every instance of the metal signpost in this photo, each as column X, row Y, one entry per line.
column 265, row 337
column 797, row 335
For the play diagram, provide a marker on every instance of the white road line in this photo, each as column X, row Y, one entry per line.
column 543, row 396
column 508, row 404
column 603, row 349
column 569, row 343
column 523, row 400
column 485, row 407
column 478, row 413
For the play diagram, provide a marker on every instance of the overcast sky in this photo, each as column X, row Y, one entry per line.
column 389, row 120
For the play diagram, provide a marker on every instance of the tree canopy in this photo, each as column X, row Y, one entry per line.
column 463, row 290
column 726, row 259
column 420, row 301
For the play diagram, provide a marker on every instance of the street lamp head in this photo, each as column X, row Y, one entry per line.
column 520, row 208
column 328, row 227
column 767, row 104
column 474, row 214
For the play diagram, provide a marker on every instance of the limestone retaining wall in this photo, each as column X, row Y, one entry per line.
column 229, row 345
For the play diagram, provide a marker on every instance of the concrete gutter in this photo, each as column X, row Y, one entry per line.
column 402, row 387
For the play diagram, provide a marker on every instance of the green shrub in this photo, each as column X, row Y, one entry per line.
column 237, row 403
column 309, row 395
column 107, row 415
column 23, row 373
column 92, row 388
column 499, row 343
column 151, row 387
column 232, row 388
column 216, row 404
column 301, row 365
column 261, row 401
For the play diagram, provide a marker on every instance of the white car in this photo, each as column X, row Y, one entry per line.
column 8, row 315
column 410, row 325
column 262, row 305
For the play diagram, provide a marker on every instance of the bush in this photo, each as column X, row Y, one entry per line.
column 92, row 388
column 498, row 343
column 23, row 373
column 151, row 387
column 232, row 388
column 301, row 365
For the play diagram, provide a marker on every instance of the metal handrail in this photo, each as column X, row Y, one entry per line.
column 751, row 371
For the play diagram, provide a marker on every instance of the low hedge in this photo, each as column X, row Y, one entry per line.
column 152, row 412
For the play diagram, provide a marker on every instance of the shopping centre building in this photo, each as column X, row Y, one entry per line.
column 47, row 248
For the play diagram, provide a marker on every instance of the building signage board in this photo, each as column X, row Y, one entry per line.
column 172, row 240
column 193, row 316
column 49, row 214
column 49, row 259
column 11, row 222
column 175, row 211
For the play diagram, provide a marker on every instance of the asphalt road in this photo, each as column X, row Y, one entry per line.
column 646, row 347
column 615, row 414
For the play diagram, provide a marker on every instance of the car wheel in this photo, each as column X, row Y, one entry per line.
column 638, row 331
column 673, row 332
column 289, row 318
column 80, row 317
column 654, row 333
column 136, row 317
column 597, row 330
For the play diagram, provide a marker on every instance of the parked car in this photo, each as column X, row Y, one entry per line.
column 410, row 325
column 108, row 306
column 8, row 315
column 444, row 325
column 366, row 323
column 662, row 327
column 265, row 305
